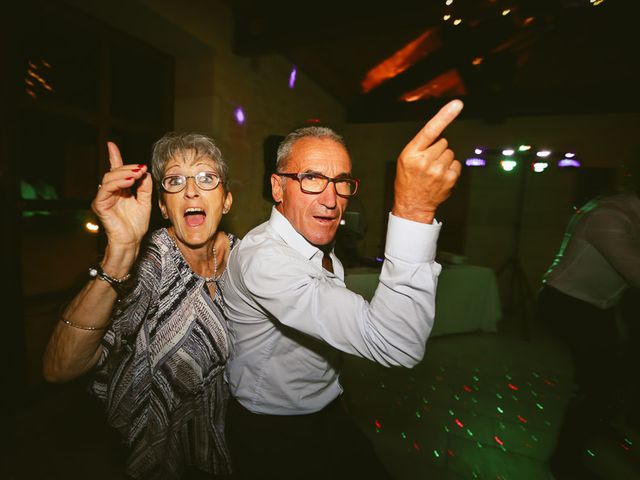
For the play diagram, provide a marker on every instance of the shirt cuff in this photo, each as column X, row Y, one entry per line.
column 410, row 241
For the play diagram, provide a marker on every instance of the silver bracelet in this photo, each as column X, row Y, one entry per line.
column 116, row 283
column 81, row 327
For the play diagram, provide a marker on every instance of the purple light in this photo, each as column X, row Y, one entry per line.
column 292, row 77
column 568, row 162
column 475, row 162
column 239, row 114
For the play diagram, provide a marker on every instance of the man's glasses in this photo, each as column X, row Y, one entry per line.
column 316, row 183
column 204, row 181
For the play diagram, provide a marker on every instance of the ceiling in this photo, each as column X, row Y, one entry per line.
column 504, row 58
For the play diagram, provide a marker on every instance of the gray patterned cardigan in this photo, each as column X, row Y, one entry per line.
column 161, row 370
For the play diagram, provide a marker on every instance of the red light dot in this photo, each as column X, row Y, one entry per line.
column 459, row 423
column 416, row 445
column 378, row 425
column 522, row 419
column 451, row 452
column 498, row 441
column 467, row 388
column 513, row 387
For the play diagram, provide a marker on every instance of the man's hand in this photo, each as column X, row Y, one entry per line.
column 426, row 170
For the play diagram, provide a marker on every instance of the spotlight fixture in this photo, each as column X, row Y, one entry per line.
column 508, row 165
column 539, row 167
column 568, row 162
column 475, row 162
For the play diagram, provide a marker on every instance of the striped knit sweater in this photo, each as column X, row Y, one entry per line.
column 161, row 370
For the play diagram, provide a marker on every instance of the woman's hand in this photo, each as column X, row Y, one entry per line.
column 124, row 215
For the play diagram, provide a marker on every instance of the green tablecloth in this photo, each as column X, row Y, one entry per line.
column 467, row 299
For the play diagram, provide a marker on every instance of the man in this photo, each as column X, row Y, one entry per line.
column 290, row 314
column 598, row 260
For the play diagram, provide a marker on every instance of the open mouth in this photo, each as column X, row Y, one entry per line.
column 194, row 216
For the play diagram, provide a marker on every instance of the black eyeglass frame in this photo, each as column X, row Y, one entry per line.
column 335, row 180
column 187, row 177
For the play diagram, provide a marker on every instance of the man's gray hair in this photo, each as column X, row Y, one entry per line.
column 172, row 144
column 284, row 150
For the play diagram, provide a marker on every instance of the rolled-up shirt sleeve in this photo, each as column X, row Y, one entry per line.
column 392, row 329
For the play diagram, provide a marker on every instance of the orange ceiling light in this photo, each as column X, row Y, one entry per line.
column 447, row 84
column 411, row 53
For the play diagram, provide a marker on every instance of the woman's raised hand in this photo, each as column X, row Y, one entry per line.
column 124, row 214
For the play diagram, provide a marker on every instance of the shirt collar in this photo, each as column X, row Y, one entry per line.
column 283, row 227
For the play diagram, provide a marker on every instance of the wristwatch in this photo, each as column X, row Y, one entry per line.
column 116, row 283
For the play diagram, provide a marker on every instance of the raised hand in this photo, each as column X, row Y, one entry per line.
column 426, row 170
column 125, row 216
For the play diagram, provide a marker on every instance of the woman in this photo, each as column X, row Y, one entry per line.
column 150, row 322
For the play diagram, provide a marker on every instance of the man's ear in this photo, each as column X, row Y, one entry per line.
column 276, row 187
column 228, row 201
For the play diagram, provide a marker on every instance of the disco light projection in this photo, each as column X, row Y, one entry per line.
column 292, row 77
column 507, row 152
column 239, row 115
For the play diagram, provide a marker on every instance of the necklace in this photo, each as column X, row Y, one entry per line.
column 213, row 278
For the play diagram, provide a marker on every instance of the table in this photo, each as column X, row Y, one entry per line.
column 467, row 299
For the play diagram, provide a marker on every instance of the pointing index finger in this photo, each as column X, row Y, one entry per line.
column 434, row 127
column 115, row 159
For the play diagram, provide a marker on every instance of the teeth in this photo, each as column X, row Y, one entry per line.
column 193, row 209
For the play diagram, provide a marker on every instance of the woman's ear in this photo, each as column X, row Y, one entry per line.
column 228, row 201
column 163, row 209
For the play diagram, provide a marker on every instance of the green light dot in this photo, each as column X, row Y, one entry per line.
column 534, row 438
column 451, row 412
column 436, row 454
column 476, row 378
column 470, row 432
column 508, row 377
column 499, row 396
column 628, row 442
column 591, row 453
column 535, row 374
column 404, row 435
column 502, row 448
column 479, row 444
column 474, row 399
column 456, row 397
column 418, row 415
column 446, row 429
column 540, row 406
column 500, row 409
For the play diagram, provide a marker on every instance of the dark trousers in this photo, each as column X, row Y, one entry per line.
column 591, row 336
column 323, row 445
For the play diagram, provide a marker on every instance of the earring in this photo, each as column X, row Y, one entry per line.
column 164, row 215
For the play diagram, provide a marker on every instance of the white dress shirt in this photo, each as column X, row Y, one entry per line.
column 289, row 318
column 600, row 255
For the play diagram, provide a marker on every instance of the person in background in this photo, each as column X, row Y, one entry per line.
column 149, row 322
column 598, row 260
column 290, row 314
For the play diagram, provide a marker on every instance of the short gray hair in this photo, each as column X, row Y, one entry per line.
column 284, row 150
column 172, row 144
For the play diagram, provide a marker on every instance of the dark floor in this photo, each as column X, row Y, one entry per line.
column 481, row 405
